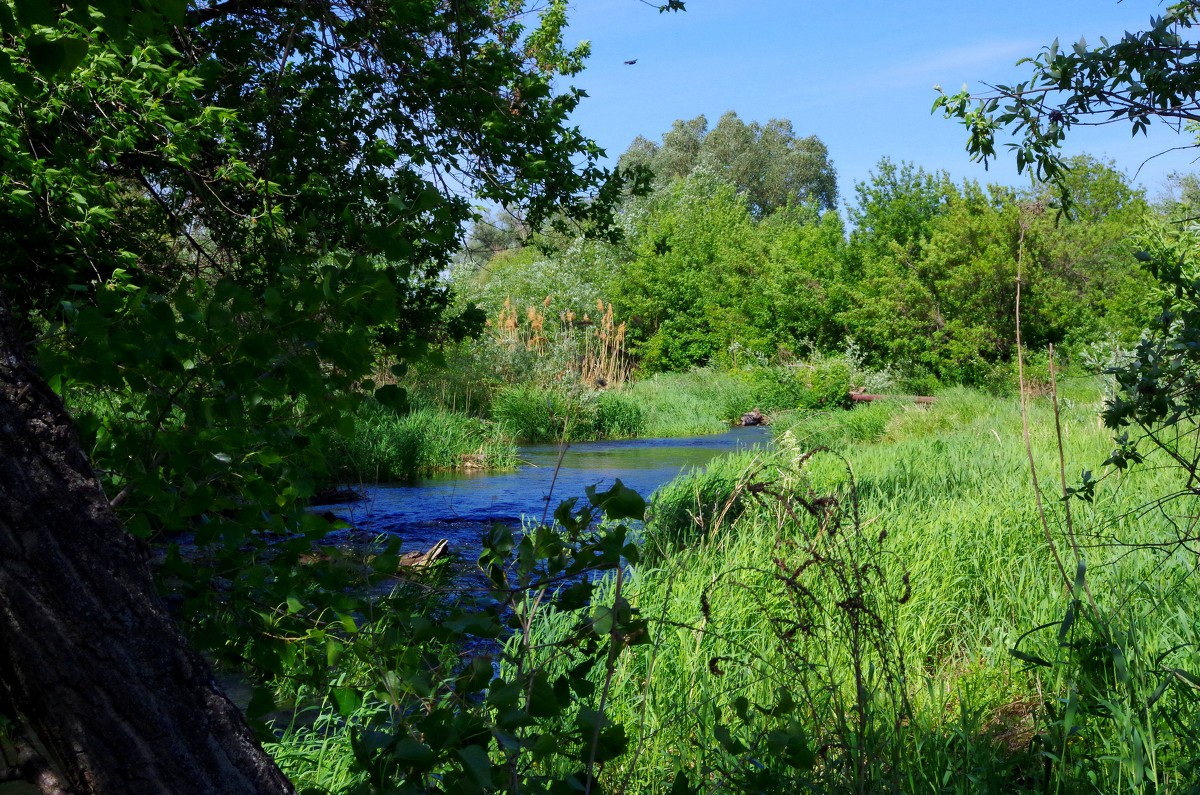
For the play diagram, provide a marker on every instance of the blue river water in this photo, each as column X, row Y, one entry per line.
column 457, row 506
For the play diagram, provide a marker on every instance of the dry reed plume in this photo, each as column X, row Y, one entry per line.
column 595, row 348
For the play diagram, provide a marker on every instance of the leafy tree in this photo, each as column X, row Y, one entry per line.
column 894, row 210
column 1141, row 78
column 769, row 164
column 889, row 312
column 1144, row 77
column 936, row 269
column 696, row 260
column 802, row 287
column 1093, row 250
column 218, row 217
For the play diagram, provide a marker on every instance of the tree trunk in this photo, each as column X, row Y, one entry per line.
column 91, row 663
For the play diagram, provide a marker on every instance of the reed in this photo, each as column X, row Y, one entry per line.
column 693, row 403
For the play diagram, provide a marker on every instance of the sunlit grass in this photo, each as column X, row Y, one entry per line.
column 943, row 497
column 387, row 446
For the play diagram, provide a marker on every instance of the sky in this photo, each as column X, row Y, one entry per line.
column 858, row 74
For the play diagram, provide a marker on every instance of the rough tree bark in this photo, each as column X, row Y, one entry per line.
column 90, row 661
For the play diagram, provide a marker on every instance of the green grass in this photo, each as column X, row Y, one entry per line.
column 688, row 404
column 931, row 568
column 664, row 405
column 388, row 446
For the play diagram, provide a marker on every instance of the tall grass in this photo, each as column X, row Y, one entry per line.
column 385, row 445
column 664, row 405
column 686, row 404
column 897, row 614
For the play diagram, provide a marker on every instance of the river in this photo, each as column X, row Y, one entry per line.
column 457, row 506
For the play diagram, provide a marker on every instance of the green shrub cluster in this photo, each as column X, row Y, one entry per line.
column 823, row 383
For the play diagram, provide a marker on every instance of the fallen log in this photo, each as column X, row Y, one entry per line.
column 753, row 417
column 865, row 397
column 423, row 560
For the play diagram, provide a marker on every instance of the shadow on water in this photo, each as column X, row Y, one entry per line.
column 457, row 506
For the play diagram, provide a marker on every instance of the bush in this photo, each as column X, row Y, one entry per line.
column 776, row 388
column 822, row 384
column 828, row 385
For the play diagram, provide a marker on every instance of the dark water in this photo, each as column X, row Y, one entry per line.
column 457, row 506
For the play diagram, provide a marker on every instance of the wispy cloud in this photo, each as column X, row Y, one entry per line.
column 916, row 74
column 954, row 65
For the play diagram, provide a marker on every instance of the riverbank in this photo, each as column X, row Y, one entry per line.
column 895, row 609
column 388, row 446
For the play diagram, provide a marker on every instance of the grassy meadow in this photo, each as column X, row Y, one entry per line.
column 891, row 613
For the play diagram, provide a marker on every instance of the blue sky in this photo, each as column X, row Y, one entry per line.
column 859, row 75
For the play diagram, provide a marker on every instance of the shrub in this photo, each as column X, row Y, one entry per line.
column 828, row 384
column 823, row 383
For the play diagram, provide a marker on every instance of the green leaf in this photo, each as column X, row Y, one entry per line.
column 1068, row 621
column 261, row 703
column 392, row 396
column 413, row 753
column 346, row 699
column 792, row 747
column 603, row 619
column 612, row 743
column 680, row 786
column 727, row 740
column 47, row 57
column 74, row 51
column 174, row 10
column 477, row 765
column 333, row 651
column 619, row 502
column 543, row 701
column 8, row 22
column 1029, row 658
column 36, row 12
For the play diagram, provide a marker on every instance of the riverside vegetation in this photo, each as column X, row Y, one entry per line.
column 870, row 606
column 879, row 603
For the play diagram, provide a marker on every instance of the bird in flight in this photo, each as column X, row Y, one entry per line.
column 631, row 63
